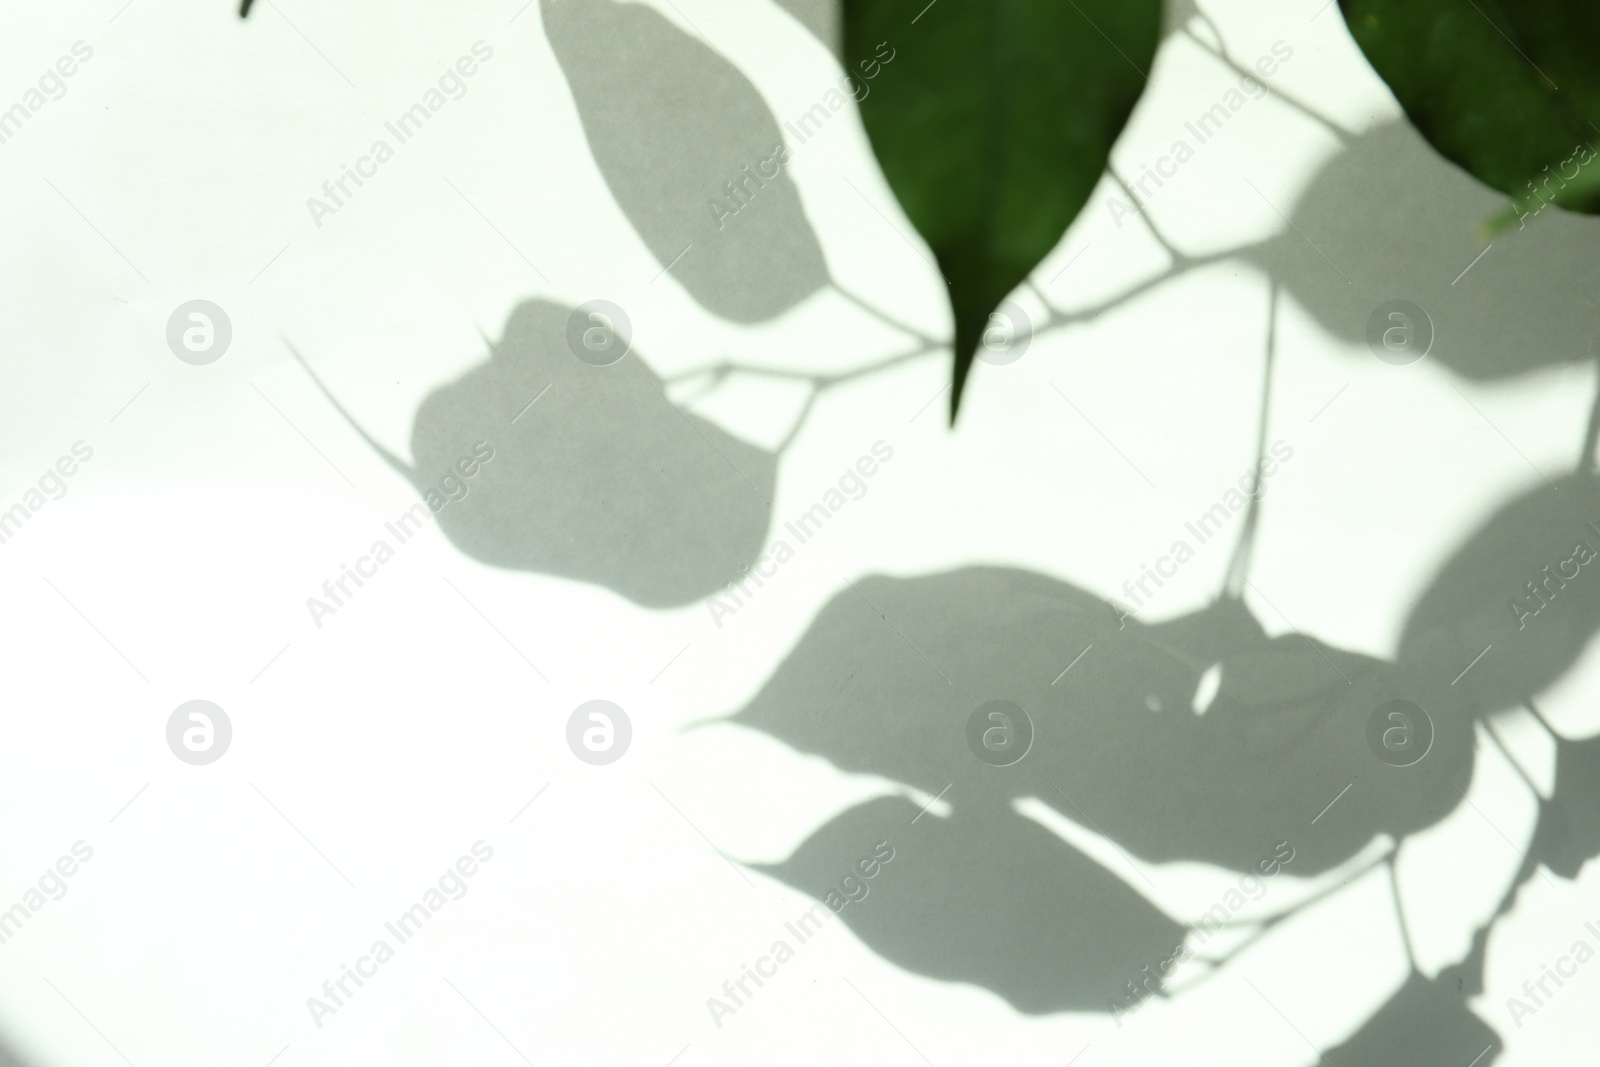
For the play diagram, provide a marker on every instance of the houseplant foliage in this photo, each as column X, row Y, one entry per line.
column 1193, row 739
column 1000, row 116
column 996, row 126
column 1507, row 89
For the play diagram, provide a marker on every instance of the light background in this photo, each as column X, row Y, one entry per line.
column 177, row 167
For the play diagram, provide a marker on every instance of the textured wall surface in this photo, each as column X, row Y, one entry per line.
column 397, row 381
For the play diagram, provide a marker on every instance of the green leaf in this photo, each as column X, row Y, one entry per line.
column 993, row 122
column 1507, row 89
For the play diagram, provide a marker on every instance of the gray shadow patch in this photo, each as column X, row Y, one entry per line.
column 986, row 896
column 602, row 480
column 1388, row 219
column 1275, row 773
column 676, row 130
column 821, row 17
column 1117, row 746
column 539, row 461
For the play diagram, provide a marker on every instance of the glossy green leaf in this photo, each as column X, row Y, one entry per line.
column 1507, row 89
column 993, row 123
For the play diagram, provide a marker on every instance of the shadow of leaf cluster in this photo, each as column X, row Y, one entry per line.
column 1200, row 738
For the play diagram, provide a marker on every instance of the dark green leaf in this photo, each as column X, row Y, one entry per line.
column 1507, row 89
column 993, row 124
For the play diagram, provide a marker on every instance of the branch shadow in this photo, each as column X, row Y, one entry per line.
column 1198, row 739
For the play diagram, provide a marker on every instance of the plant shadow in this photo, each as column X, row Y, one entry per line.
column 1388, row 219
column 539, row 461
column 688, row 147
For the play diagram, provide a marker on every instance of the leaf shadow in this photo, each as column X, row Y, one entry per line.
column 1387, row 219
column 1514, row 607
column 594, row 474
column 1198, row 739
column 984, row 896
column 1427, row 1023
column 687, row 146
